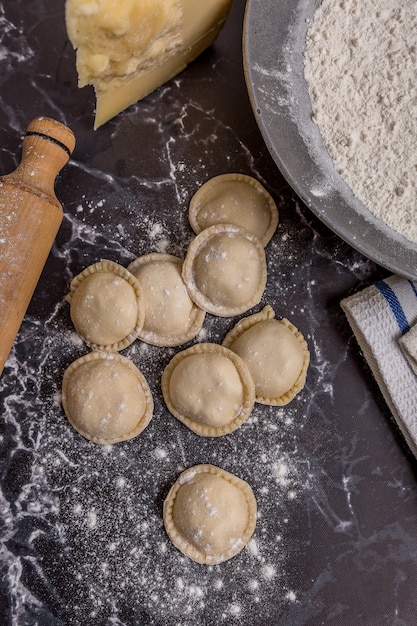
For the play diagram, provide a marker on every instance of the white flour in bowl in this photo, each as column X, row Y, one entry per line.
column 361, row 70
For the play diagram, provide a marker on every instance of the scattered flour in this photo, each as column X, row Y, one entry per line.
column 102, row 505
column 108, row 502
column 361, row 70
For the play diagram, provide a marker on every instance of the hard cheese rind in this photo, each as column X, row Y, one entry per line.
column 126, row 49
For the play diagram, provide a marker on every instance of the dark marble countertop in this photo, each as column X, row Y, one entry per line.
column 82, row 538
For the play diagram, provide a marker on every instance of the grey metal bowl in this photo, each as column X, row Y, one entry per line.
column 273, row 42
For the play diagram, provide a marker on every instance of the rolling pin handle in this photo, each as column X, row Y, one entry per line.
column 30, row 216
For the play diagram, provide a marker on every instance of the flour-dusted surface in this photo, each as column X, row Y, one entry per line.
column 361, row 68
column 82, row 540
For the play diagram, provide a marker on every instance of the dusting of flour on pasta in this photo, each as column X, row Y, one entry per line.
column 361, row 70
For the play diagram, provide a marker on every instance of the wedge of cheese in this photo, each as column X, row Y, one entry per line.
column 128, row 48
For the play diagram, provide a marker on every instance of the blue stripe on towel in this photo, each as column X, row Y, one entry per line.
column 395, row 305
column 413, row 287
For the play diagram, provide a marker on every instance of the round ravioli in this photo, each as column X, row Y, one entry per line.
column 234, row 199
column 171, row 317
column 106, row 306
column 210, row 514
column 106, row 398
column 209, row 389
column 276, row 354
column 225, row 270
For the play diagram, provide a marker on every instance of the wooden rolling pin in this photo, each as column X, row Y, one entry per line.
column 30, row 216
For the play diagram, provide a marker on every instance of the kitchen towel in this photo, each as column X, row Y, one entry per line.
column 383, row 318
